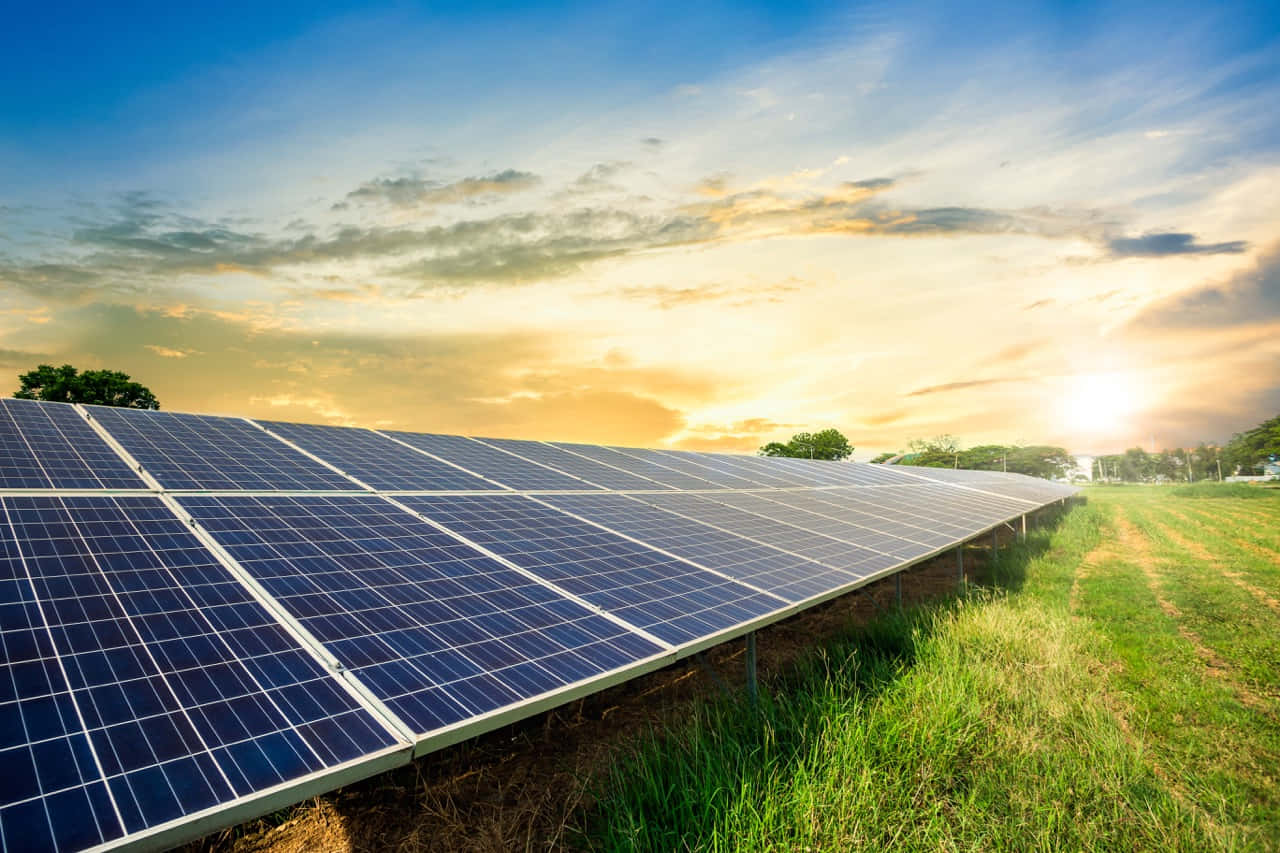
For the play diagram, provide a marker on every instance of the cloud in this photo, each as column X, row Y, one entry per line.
column 1039, row 303
column 665, row 297
column 1164, row 244
column 415, row 191
column 1251, row 297
column 168, row 352
column 653, row 143
column 744, row 436
column 958, row 386
column 599, row 178
column 508, row 384
column 143, row 247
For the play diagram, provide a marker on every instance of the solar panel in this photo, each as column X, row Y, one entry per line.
column 668, row 598
column 439, row 632
column 142, row 683
column 803, row 511
column 377, row 460
column 50, row 445
column 787, row 575
column 687, row 463
column 575, row 465
column 860, row 506
column 150, row 689
column 488, row 461
column 754, row 468
column 640, row 467
column 210, row 453
column 828, row 550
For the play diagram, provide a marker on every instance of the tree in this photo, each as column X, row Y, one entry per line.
column 884, row 457
column 827, row 444
column 101, row 387
column 942, row 451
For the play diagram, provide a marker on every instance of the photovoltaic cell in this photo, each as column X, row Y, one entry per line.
column 836, row 553
column 376, row 459
column 490, row 462
column 206, row 452
column 49, row 445
column 664, row 596
column 142, row 683
column 802, row 510
column 762, row 472
column 791, row 577
column 438, row 631
column 641, row 467
column 687, row 463
column 575, row 465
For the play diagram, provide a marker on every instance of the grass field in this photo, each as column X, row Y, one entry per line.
column 1118, row 689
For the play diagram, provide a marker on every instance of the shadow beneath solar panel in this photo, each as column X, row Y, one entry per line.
column 529, row 785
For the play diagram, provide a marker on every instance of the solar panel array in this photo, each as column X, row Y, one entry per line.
column 204, row 618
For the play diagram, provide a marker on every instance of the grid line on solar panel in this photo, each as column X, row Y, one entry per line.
column 632, row 465
column 575, row 465
column 800, row 510
column 50, row 445
column 683, row 463
column 786, row 575
column 882, row 528
column 381, row 462
column 671, row 599
column 213, row 453
column 436, row 630
column 187, row 693
column 506, row 469
column 828, row 550
column 765, row 475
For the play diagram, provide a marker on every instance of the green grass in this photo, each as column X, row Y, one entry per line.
column 1063, row 710
column 1225, row 490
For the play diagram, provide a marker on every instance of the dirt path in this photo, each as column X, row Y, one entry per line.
column 1136, row 544
column 1116, row 704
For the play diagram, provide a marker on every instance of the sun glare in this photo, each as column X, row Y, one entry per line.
column 1100, row 403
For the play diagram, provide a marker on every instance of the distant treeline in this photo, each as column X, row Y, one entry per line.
column 944, row 451
column 1246, row 454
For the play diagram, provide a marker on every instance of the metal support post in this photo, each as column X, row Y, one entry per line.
column 752, row 690
column 1022, row 537
column 897, row 589
column 960, row 565
column 995, row 542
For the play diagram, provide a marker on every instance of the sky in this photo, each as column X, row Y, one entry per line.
column 701, row 226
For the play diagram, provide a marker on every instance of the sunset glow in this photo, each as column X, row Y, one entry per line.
column 698, row 228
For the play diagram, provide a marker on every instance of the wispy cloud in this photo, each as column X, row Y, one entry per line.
column 1249, row 298
column 417, row 191
column 1166, row 244
column 959, row 386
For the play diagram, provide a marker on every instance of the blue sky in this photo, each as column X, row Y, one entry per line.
column 689, row 224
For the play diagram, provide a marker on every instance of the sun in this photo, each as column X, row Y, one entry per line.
column 1100, row 403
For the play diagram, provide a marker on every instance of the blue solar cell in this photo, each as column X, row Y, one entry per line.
column 640, row 467
column 436, row 630
column 49, row 445
column 805, row 541
column 787, row 575
column 575, row 465
column 688, row 463
column 669, row 598
column 489, row 461
column 377, row 460
column 147, row 682
column 206, row 452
